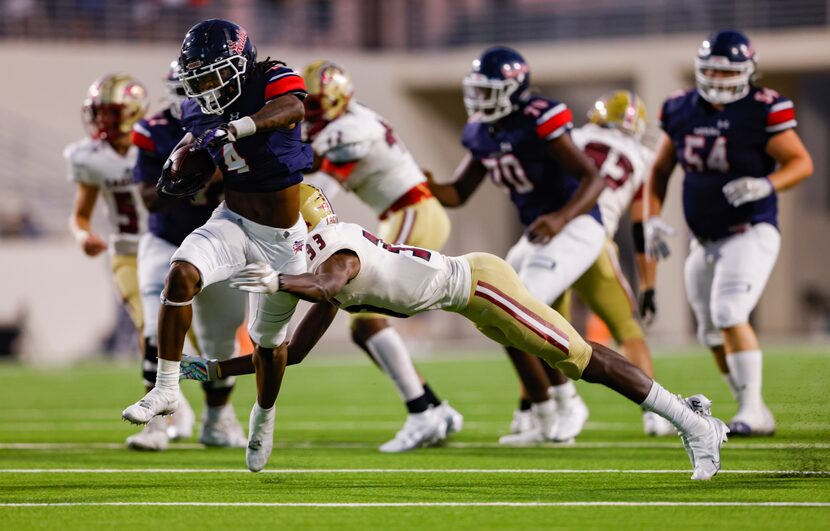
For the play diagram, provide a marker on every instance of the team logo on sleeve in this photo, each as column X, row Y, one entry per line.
column 298, row 245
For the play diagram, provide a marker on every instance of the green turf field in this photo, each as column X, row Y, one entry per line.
column 61, row 450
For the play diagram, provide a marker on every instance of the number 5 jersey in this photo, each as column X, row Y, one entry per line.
column 715, row 146
column 95, row 163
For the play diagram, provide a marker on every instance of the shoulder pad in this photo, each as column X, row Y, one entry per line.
column 77, row 153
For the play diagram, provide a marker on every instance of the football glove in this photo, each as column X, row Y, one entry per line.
column 199, row 369
column 177, row 188
column 655, row 231
column 648, row 309
column 747, row 189
column 258, row 277
column 216, row 137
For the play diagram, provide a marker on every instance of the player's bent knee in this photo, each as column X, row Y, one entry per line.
column 363, row 329
column 182, row 283
column 727, row 314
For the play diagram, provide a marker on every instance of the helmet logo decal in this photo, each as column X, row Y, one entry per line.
column 238, row 45
column 194, row 64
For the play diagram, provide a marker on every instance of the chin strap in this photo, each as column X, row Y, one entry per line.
column 167, row 302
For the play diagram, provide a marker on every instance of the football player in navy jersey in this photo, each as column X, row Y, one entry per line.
column 245, row 114
column 522, row 141
column 218, row 310
column 737, row 145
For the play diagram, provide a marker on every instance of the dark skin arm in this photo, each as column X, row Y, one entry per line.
column 466, row 179
column 283, row 112
column 575, row 162
column 327, row 282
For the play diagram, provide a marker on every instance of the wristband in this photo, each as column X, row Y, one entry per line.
column 280, row 282
column 639, row 237
column 80, row 236
column 245, row 126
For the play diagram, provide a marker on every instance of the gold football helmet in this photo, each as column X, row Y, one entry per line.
column 315, row 207
column 329, row 91
column 622, row 110
column 114, row 103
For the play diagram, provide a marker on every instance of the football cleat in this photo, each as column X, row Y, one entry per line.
column 748, row 424
column 454, row 419
column 544, row 425
column 152, row 438
column 198, row 368
column 420, row 430
column 260, row 438
column 523, row 420
column 155, row 402
column 704, row 448
column 180, row 425
column 571, row 414
column 223, row 430
column 656, row 426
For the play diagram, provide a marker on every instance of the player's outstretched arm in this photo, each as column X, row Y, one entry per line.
column 315, row 323
column 657, row 182
column 80, row 222
column 284, row 111
column 646, row 268
column 465, row 180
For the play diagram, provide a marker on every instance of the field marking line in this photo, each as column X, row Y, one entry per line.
column 426, row 504
column 391, row 471
column 652, row 445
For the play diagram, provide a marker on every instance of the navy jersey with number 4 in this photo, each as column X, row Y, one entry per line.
column 262, row 162
column 156, row 137
column 514, row 151
column 716, row 146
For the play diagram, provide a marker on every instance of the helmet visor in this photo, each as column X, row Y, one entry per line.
column 722, row 81
column 217, row 85
column 488, row 99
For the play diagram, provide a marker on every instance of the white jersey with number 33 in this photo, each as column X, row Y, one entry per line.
column 96, row 163
column 394, row 280
column 361, row 150
column 622, row 161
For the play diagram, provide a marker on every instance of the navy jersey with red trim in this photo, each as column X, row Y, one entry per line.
column 514, row 151
column 156, row 137
column 716, row 146
column 265, row 161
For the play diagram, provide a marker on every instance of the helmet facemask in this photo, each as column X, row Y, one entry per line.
column 329, row 92
column 723, row 89
column 488, row 100
column 215, row 86
column 114, row 103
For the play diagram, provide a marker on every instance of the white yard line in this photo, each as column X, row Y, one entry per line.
column 427, row 504
column 669, row 443
column 287, row 471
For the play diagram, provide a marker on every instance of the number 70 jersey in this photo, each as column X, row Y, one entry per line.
column 394, row 280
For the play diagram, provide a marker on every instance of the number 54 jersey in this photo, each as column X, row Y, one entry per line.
column 715, row 146
column 393, row 280
column 95, row 163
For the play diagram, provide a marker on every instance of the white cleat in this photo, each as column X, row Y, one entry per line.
column 752, row 423
column 152, row 438
column 523, row 421
column 704, row 448
column 454, row 419
column 182, row 421
column 571, row 415
column 224, row 431
column 544, row 422
column 261, row 437
column 656, row 426
column 419, row 430
column 155, row 402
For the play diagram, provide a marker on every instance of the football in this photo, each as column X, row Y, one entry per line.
column 192, row 165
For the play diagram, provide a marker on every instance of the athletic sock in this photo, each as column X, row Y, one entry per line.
column 730, row 382
column 564, row 392
column 524, row 404
column 673, row 409
column 389, row 350
column 168, row 375
column 418, row 405
column 746, row 368
column 214, row 413
column 149, row 365
column 432, row 398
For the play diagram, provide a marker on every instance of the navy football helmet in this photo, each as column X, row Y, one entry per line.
column 175, row 90
column 496, row 82
column 724, row 67
column 215, row 61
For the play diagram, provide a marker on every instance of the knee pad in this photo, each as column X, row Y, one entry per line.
column 150, row 364
column 726, row 313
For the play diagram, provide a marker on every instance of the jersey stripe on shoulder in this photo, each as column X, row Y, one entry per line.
column 142, row 138
column 781, row 116
column 282, row 80
column 554, row 122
